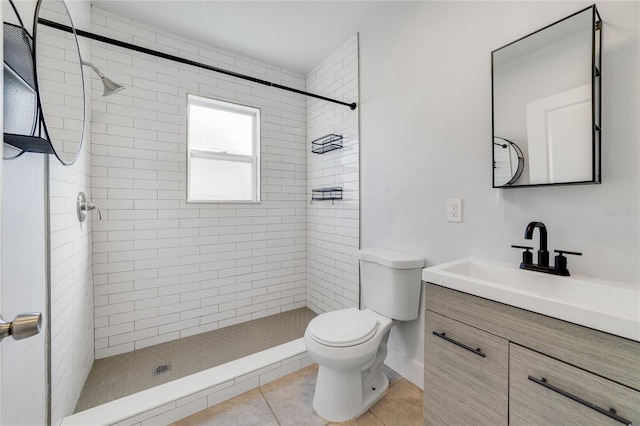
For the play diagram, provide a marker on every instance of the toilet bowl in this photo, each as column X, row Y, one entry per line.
column 351, row 377
column 350, row 345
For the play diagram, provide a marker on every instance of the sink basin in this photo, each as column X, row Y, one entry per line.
column 608, row 306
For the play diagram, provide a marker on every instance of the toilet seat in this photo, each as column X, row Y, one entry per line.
column 346, row 327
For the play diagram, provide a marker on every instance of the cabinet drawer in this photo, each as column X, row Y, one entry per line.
column 463, row 385
column 549, row 401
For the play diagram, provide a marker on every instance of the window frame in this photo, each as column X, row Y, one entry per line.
column 253, row 159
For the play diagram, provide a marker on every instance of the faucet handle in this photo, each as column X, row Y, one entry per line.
column 527, row 256
column 561, row 261
column 561, row 252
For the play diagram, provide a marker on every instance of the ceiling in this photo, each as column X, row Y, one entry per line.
column 296, row 35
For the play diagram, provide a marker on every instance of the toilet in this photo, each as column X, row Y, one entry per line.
column 350, row 345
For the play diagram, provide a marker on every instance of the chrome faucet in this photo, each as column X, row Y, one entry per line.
column 560, row 266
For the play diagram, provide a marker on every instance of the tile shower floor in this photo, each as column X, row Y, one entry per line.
column 288, row 401
column 122, row 375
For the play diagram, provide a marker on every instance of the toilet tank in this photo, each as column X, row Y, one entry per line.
column 391, row 283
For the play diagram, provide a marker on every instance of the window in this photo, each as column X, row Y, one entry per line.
column 223, row 151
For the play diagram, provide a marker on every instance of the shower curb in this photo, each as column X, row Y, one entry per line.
column 170, row 402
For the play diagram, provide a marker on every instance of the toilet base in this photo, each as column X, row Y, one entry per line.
column 347, row 397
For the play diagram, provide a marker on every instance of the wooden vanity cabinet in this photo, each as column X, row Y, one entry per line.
column 536, row 369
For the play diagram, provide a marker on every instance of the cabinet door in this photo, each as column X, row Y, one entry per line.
column 544, row 390
column 465, row 374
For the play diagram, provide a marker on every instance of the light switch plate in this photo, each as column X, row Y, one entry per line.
column 454, row 210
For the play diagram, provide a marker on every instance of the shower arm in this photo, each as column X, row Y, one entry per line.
column 93, row 67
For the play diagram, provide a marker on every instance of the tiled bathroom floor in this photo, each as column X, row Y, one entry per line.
column 121, row 375
column 288, row 401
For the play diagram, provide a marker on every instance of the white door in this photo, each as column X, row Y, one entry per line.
column 1, row 151
column 23, row 278
column 23, row 288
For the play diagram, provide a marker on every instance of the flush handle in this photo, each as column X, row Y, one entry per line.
column 23, row 326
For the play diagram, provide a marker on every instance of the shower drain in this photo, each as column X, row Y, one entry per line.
column 162, row 368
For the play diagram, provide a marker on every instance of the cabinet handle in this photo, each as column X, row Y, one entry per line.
column 611, row 413
column 462, row 345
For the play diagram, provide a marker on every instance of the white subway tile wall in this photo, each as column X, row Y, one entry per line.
column 163, row 268
column 72, row 342
column 333, row 229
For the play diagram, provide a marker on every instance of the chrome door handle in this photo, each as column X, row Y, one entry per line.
column 23, row 326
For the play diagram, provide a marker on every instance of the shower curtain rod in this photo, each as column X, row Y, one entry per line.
column 162, row 55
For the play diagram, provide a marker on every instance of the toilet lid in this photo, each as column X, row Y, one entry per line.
column 346, row 327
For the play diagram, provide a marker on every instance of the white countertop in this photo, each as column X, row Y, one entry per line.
column 609, row 306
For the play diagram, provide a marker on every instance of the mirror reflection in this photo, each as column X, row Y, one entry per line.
column 546, row 103
column 508, row 162
column 60, row 81
column 20, row 102
column 20, row 109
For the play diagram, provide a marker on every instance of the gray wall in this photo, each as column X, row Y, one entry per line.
column 425, row 70
column 426, row 132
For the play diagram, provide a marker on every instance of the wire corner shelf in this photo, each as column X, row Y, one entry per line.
column 326, row 143
column 326, row 194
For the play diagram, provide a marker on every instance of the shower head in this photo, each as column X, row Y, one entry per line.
column 109, row 86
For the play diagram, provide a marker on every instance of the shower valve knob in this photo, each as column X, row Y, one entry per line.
column 90, row 206
column 83, row 206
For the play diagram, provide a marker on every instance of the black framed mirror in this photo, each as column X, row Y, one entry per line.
column 60, row 80
column 546, row 96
